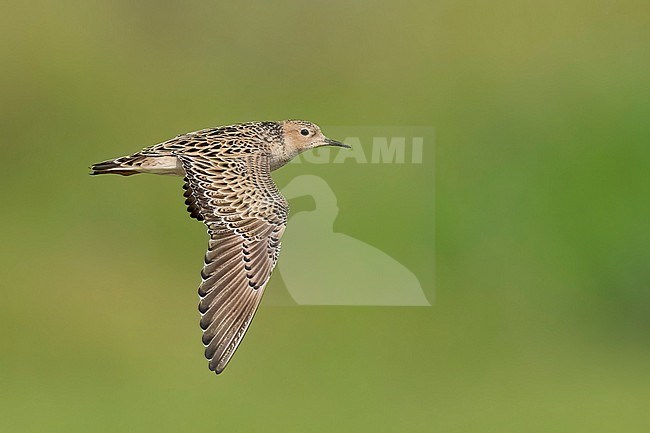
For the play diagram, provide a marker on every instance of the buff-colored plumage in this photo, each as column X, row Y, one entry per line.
column 228, row 186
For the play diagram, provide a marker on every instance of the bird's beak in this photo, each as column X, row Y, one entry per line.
column 330, row 142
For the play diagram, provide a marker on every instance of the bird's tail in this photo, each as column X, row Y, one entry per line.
column 138, row 163
column 124, row 166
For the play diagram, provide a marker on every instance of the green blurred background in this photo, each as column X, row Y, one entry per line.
column 539, row 176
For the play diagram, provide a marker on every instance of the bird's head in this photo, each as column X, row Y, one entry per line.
column 300, row 135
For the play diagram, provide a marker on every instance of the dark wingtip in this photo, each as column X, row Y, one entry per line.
column 214, row 366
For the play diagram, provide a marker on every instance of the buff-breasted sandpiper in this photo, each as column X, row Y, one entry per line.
column 228, row 186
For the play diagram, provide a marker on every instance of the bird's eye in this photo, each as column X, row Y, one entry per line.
column 304, row 132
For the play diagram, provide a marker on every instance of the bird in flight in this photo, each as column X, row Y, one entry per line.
column 228, row 186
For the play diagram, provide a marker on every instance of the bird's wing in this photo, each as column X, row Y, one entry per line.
column 246, row 216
